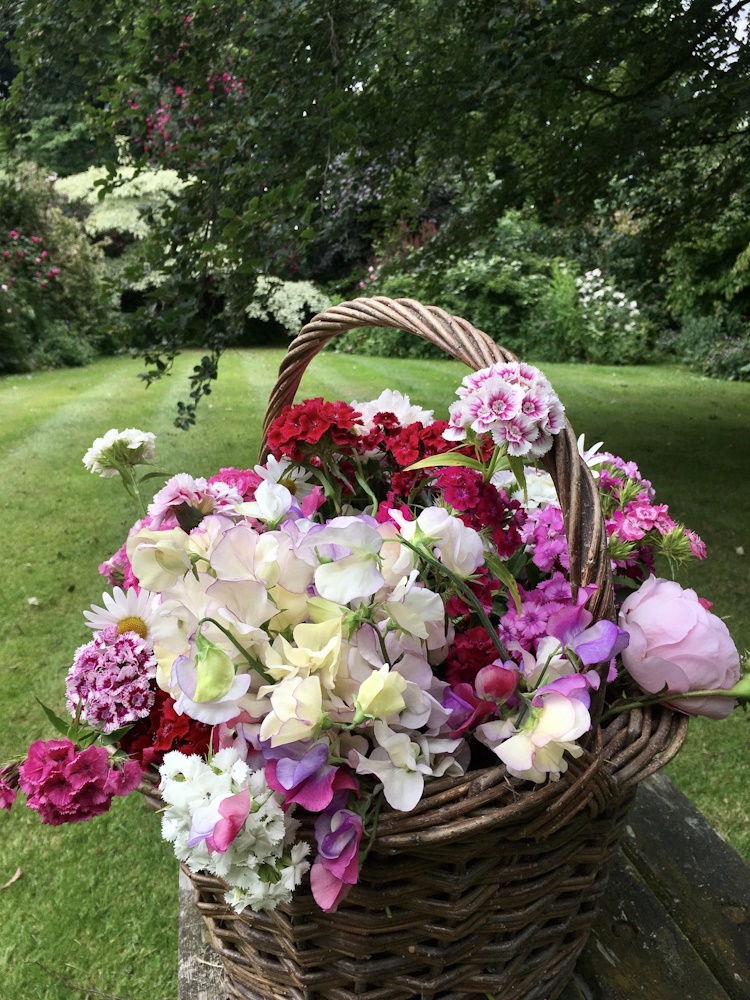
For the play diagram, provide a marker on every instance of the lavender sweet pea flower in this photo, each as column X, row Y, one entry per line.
column 336, row 868
column 591, row 643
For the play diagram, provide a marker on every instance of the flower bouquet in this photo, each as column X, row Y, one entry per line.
column 397, row 683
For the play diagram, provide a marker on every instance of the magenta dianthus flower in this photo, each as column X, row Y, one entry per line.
column 66, row 785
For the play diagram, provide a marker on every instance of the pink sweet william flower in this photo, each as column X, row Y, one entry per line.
column 110, row 680
column 336, row 868
column 66, row 785
column 195, row 498
column 675, row 642
column 514, row 403
column 8, row 786
column 7, row 795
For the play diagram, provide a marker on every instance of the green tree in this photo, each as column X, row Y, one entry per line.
column 302, row 121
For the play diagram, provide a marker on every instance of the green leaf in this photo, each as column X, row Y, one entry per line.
column 450, row 458
column 517, row 467
column 60, row 724
column 154, row 475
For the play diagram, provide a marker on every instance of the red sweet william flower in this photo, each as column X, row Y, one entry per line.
column 471, row 650
column 315, row 422
column 164, row 730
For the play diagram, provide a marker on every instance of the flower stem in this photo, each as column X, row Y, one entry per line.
column 668, row 696
column 251, row 660
column 466, row 592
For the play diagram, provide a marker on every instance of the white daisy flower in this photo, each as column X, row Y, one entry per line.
column 131, row 612
column 282, row 471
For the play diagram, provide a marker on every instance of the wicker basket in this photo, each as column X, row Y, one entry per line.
column 490, row 886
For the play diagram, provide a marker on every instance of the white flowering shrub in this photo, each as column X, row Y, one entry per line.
column 614, row 329
column 290, row 303
column 587, row 319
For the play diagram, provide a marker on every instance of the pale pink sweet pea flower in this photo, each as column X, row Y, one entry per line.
column 536, row 750
column 219, row 821
column 677, row 643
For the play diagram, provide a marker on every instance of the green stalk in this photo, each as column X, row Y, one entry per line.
column 466, row 592
column 251, row 660
column 740, row 690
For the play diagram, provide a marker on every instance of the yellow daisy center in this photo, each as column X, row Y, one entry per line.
column 291, row 484
column 133, row 624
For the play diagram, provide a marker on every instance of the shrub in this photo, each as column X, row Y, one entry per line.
column 719, row 346
column 495, row 284
column 288, row 303
column 51, row 280
column 558, row 329
column 588, row 319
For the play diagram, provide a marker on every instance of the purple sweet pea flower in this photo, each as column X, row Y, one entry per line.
column 467, row 711
column 591, row 643
column 300, row 772
column 336, row 868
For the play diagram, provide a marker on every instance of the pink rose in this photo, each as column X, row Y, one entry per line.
column 676, row 642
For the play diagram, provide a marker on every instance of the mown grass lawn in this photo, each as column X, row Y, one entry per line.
column 96, row 906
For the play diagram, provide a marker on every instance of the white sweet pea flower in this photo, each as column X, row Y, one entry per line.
column 536, row 751
column 410, row 607
column 402, row 763
column 159, row 558
column 395, row 762
column 347, row 577
column 457, row 546
column 272, row 503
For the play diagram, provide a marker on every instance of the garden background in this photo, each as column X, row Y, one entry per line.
column 182, row 185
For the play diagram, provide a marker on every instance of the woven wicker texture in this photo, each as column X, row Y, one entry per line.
column 498, row 900
column 490, row 885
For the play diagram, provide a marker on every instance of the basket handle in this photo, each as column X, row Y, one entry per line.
column 576, row 489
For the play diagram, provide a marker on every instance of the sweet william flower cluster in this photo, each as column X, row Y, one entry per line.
column 383, row 602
